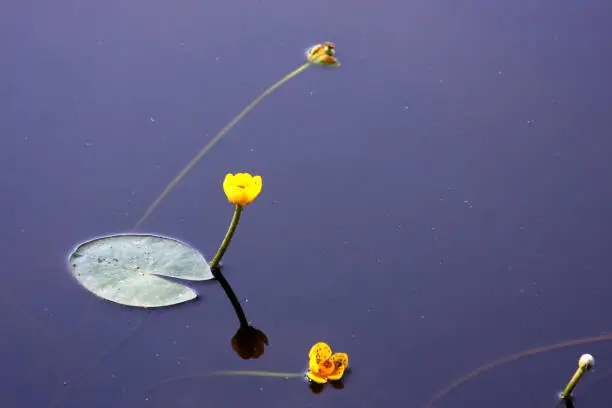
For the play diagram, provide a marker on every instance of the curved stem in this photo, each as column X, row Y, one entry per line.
column 214, row 141
column 228, row 237
column 232, row 297
column 513, row 357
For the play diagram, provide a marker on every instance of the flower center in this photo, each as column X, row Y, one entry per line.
column 326, row 368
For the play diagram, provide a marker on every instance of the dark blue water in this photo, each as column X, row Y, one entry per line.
column 441, row 200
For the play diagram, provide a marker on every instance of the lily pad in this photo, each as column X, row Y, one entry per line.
column 127, row 269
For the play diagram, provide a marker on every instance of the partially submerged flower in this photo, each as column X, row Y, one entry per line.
column 324, row 365
column 242, row 188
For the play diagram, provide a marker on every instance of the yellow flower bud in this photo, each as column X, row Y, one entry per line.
column 242, row 188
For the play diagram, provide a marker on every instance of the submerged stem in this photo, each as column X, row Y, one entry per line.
column 228, row 237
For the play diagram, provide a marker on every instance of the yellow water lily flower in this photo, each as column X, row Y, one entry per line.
column 324, row 365
column 242, row 188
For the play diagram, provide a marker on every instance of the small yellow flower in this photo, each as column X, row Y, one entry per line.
column 242, row 188
column 324, row 365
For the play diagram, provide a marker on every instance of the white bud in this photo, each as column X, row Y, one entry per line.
column 586, row 362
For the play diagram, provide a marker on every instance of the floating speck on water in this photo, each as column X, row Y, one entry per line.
column 152, row 120
column 65, row 383
column 187, row 326
column 88, row 144
column 245, row 300
column 261, row 389
column 422, row 317
column 156, row 355
column 173, row 341
column 353, row 336
column 146, row 398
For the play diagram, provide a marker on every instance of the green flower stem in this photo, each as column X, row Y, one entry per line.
column 573, row 382
column 259, row 374
column 228, row 237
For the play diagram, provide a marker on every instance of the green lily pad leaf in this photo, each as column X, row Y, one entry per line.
column 127, row 269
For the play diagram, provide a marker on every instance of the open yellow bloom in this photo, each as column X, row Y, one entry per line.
column 242, row 188
column 324, row 365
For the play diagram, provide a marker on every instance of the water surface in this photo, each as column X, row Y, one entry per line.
column 438, row 202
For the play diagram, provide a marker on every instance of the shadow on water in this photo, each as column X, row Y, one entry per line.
column 248, row 342
column 338, row 385
column 569, row 403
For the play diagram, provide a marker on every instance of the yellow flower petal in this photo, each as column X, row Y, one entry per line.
column 254, row 188
column 337, row 375
column 340, row 359
column 316, row 378
column 242, row 179
column 313, row 365
column 340, row 363
column 320, row 352
column 241, row 188
column 236, row 196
